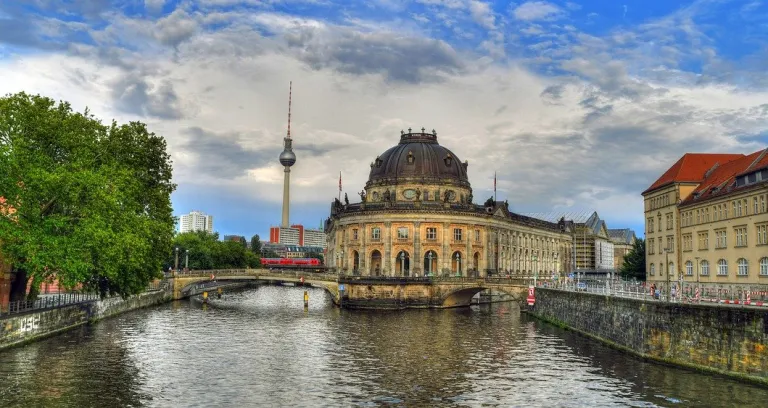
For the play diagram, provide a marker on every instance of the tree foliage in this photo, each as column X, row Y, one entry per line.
column 256, row 244
column 207, row 252
column 316, row 255
column 634, row 261
column 93, row 201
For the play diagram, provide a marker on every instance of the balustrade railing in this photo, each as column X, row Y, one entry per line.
column 45, row 302
column 673, row 291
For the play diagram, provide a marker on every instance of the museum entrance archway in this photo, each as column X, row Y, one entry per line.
column 430, row 263
column 456, row 263
column 355, row 263
column 403, row 264
column 375, row 263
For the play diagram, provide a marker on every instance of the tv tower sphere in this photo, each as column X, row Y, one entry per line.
column 287, row 157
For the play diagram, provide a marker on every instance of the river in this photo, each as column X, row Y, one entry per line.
column 260, row 347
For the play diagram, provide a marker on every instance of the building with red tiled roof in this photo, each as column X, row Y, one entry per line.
column 706, row 219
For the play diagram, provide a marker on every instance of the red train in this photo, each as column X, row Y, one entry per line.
column 312, row 264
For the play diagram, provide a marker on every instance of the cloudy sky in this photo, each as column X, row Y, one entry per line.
column 577, row 105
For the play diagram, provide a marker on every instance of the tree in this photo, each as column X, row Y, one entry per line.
column 268, row 253
column 316, row 255
column 256, row 244
column 92, row 201
column 243, row 242
column 634, row 261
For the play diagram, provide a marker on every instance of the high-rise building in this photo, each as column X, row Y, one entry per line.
column 297, row 235
column 196, row 221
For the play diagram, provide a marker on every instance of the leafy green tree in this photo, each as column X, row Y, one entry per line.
column 243, row 242
column 256, row 244
column 206, row 251
column 634, row 261
column 93, row 201
column 268, row 253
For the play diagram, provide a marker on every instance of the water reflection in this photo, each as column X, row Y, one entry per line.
column 262, row 348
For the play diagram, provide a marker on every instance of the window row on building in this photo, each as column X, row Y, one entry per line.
column 738, row 208
column 719, row 268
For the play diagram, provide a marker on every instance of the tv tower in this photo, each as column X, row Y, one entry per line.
column 287, row 159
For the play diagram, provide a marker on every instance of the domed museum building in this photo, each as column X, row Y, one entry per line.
column 417, row 216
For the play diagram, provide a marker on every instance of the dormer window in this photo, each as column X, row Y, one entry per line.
column 448, row 160
column 378, row 162
column 410, row 157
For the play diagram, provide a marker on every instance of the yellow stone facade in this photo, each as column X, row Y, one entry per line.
column 717, row 239
column 423, row 221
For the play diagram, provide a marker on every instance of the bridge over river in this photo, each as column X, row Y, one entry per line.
column 359, row 292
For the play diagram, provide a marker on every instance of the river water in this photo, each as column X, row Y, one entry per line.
column 260, row 347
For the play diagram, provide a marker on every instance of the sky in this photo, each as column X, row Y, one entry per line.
column 576, row 105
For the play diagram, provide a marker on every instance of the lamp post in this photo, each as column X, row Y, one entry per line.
column 697, row 273
column 669, row 281
column 458, row 264
column 186, row 260
column 402, row 263
column 429, row 263
column 535, row 269
column 176, row 263
column 341, row 262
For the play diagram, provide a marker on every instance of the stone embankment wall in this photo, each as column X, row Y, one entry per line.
column 18, row 329
column 725, row 339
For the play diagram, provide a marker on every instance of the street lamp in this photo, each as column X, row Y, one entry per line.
column 458, row 264
column 186, row 261
column 176, row 264
column 534, row 258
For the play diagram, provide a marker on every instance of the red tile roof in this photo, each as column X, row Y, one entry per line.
column 722, row 180
column 691, row 168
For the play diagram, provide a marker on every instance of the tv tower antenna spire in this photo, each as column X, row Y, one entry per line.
column 290, row 90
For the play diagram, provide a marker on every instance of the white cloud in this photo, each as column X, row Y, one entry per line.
column 537, row 10
column 482, row 14
column 618, row 119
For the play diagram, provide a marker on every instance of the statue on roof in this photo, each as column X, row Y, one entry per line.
column 418, row 194
column 362, row 195
column 469, row 198
column 387, row 195
column 346, row 199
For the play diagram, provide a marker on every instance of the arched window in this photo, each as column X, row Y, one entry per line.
column 704, row 268
column 764, row 266
column 743, row 267
column 671, row 269
column 661, row 269
column 722, row 267
column 689, row 268
column 653, row 269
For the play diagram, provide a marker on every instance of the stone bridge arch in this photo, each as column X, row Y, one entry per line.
column 463, row 296
column 184, row 286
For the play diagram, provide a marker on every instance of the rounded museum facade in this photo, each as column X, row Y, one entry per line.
column 417, row 217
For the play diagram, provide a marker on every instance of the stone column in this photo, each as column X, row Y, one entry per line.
column 417, row 258
column 446, row 255
column 470, row 258
column 345, row 258
column 363, row 250
column 387, row 268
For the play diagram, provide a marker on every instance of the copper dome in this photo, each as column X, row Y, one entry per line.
column 418, row 156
